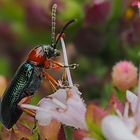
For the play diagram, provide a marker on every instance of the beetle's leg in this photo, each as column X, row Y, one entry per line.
column 58, row 65
column 55, row 65
column 51, row 80
column 64, row 76
column 28, row 111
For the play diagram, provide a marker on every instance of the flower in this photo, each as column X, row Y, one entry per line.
column 128, row 125
column 113, row 128
column 124, row 75
column 65, row 106
column 136, row 3
column 127, row 122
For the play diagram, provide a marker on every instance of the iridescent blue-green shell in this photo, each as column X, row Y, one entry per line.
column 10, row 112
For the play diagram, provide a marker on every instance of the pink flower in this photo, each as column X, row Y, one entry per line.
column 128, row 125
column 127, row 122
column 124, row 75
column 113, row 128
column 65, row 106
column 136, row 3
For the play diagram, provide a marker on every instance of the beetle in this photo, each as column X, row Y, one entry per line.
column 27, row 79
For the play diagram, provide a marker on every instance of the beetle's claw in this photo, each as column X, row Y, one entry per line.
column 72, row 66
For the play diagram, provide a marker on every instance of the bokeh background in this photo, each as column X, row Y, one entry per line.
column 106, row 32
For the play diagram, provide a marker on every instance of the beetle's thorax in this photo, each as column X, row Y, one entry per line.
column 40, row 55
column 37, row 56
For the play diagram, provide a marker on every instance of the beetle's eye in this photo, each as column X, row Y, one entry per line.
column 46, row 50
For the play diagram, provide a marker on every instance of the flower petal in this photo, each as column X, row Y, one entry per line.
column 114, row 102
column 132, row 99
column 75, row 113
column 114, row 129
column 95, row 114
column 68, row 108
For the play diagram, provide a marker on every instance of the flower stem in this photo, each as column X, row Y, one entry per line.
column 68, row 133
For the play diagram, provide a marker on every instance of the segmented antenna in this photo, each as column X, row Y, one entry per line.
column 54, row 7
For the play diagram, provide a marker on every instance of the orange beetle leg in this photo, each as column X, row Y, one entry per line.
column 64, row 76
column 56, row 65
column 28, row 111
column 51, row 80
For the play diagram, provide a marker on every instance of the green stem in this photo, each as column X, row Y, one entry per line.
column 68, row 133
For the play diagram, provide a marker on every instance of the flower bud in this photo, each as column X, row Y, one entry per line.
column 124, row 75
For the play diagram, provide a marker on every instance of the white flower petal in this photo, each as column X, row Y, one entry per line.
column 43, row 115
column 44, row 118
column 73, row 115
column 113, row 128
column 130, row 123
column 61, row 98
column 132, row 98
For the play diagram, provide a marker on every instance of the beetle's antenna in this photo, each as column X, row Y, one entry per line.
column 62, row 31
column 54, row 7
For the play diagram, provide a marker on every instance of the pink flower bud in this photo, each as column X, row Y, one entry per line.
column 124, row 75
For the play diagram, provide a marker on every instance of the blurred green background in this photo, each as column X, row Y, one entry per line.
column 106, row 31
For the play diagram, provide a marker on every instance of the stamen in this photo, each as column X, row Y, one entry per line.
column 32, row 107
column 119, row 113
column 27, row 106
column 126, row 110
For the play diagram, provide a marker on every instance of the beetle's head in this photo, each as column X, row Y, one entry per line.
column 50, row 51
column 39, row 54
